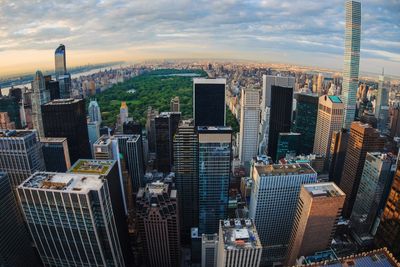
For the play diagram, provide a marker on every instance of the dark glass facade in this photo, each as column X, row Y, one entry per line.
column 10, row 105
column 337, row 155
column 67, row 118
column 288, row 143
column 53, row 87
column 306, row 121
column 55, row 154
column 280, row 116
column 209, row 104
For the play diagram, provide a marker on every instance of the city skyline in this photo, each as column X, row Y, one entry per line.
column 98, row 31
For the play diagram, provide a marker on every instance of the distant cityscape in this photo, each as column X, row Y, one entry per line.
column 205, row 163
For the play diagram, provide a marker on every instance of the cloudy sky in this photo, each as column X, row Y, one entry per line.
column 303, row 32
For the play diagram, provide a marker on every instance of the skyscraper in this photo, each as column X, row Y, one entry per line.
column 209, row 102
column 15, row 247
column 150, row 128
column 318, row 210
column 40, row 97
column 71, row 219
column 249, row 125
column 158, row 224
column 123, row 113
column 363, row 138
column 175, row 105
column 55, row 154
column 214, row 167
column 10, row 104
column 288, row 143
column 53, row 87
column 376, row 179
column 67, row 118
column 186, row 177
column 306, row 120
column 63, row 78
column 277, row 94
column 273, row 203
column 337, row 154
column 382, row 104
column 166, row 125
column 20, row 154
column 209, row 250
column 330, row 119
column 239, row 244
column 388, row 234
column 93, row 128
column 351, row 61
column 94, row 111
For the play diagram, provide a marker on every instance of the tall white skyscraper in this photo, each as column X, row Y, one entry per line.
column 273, row 201
column 123, row 113
column 249, row 125
column 351, row 61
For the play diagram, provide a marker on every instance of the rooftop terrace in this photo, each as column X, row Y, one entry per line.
column 91, row 166
column 63, row 182
column 284, row 169
column 239, row 234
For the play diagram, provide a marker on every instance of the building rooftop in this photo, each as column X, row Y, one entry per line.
column 52, row 139
column 69, row 182
column 104, row 140
column 91, row 166
column 209, row 81
column 324, row 190
column 216, row 129
column 15, row 133
column 239, row 234
column 284, row 169
column 62, row 101
column 335, row 99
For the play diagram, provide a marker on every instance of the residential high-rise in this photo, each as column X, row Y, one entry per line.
column 330, row 119
column 306, row 120
column 94, row 111
column 63, row 78
column 67, row 118
column 186, row 177
column 239, row 244
column 55, row 154
column 318, row 210
column 376, row 179
column 288, row 143
column 273, row 201
column 209, row 250
column 382, row 104
column 72, row 219
column 363, row 138
column 337, row 154
column 351, row 61
column 388, row 234
column 277, row 94
column 123, row 113
column 20, row 154
column 158, row 224
column 209, row 102
column 166, row 125
column 175, row 104
column 15, row 247
column 249, row 125
column 40, row 97
column 214, row 169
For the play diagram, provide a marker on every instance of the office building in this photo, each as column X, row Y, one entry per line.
column 330, row 119
column 53, row 87
column 40, row 96
column 277, row 94
column 94, row 111
column 376, row 179
column 249, row 125
column 158, row 224
column 382, row 104
column 388, row 234
column 5, row 122
column 288, row 143
column 264, row 131
column 209, row 102
column 93, row 133
column 132, row 127
column 186, row 177
column 209, row 250
column 63, row 78
column 306, row 120
column 363, row 138
column 214, row 169
column 351, row 61
column 71, row 218
column 166, row 125
column 318, row 210
column 15, row 247
column 239, row 244
column 273, row 202
column 20, row 154
column 67, row 118
column 55, row 154
column 150, row 128
column 175, row 104
column 123, row 113
column 10, row 105
column 337, row 154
